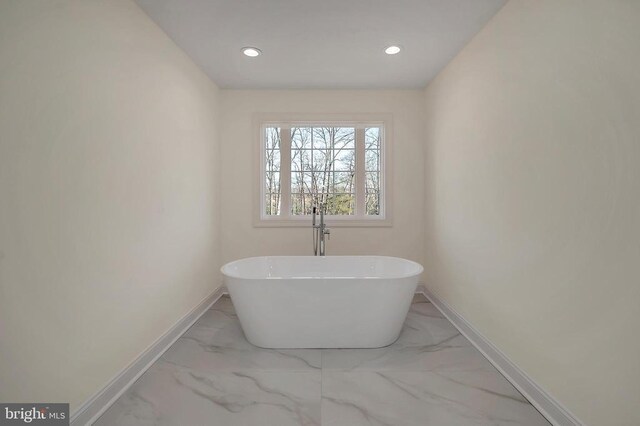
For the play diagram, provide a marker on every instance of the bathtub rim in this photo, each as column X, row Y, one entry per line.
column 394, row 277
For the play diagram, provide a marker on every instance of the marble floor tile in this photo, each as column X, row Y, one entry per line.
column 431, row 375
column 216, row 342
column 220, row 314
column 170, row 395
column 419, row 298
column 428, row 341
column 451, row 354
column 424, row 326
column 408, row 398
column 226, row 349
column 224, row 304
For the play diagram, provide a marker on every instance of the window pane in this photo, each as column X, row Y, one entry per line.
column 321, row 160
column 301, row 182
column 372, row 204
column 372, row 160
column 321, row 137
column 301, row 204
column 272, row 149
column 333, row 138
column 272, row 182
column 272, row 139
column 272, row 159
column 321, row 182
column 340, row 204
column 345, row 160
column 372, row 166
column 372, row 181
column 296, row 207
column 344, row 182
column 300, row 137
column 344, row 138
column 372, row 138
column 300, row 160
column 272, row 204
column 272, row 171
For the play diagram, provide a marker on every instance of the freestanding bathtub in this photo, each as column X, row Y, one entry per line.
column 321, row 302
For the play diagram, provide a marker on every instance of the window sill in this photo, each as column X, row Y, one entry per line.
column 331, row 223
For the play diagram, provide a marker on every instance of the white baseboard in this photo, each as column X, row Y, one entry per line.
column 93, row 408
column 554, row 412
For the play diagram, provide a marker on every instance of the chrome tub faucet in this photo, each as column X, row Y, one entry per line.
column 320, row 230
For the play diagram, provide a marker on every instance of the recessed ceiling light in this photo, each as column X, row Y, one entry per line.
column 392, row 50
column 251, row 52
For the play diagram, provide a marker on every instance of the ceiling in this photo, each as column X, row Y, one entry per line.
column 321, row 44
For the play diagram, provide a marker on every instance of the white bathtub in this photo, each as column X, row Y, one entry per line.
column 321, row 302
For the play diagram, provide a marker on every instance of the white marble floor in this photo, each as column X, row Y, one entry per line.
column 431, row 376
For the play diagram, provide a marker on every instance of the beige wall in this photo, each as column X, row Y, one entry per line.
column 533, row 196
column 108, row 205
column 238, row 144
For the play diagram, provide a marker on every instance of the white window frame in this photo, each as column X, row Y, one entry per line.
column 359, row 121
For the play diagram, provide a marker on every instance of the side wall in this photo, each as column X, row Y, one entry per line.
column 238, row 144
column 108, row 204
column 533, row 196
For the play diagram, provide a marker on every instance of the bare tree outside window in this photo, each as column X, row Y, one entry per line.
column 272, row 171
column 372, row 170
column 323, row 169
column 331, row 165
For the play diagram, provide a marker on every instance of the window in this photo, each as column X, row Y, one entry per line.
column 339, row 163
